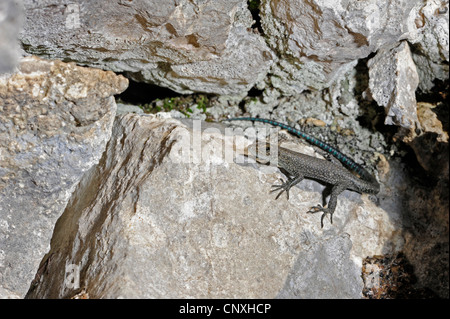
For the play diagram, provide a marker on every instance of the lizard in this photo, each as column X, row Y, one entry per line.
column 298, row 166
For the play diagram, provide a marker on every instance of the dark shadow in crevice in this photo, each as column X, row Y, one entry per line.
column 253, row 6
column 140, row 93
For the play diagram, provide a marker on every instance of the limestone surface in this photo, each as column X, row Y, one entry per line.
column 202, row 46
column 393, row 83
column 319, row 41
column 173, row 211
column 55, row 120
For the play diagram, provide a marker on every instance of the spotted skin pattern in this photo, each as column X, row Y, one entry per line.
column 298, row 166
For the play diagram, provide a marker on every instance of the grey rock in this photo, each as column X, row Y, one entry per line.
column 128, row 108
column 393, row 83
column 319, row 41
column 324, row 271
column 164, row 217
column 431, row 42
column 244, row 63
column 205, row 46
column 55, row 120
column 11, row 16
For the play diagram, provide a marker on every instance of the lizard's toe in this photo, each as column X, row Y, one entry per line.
column 320, row 208
column 284, row 186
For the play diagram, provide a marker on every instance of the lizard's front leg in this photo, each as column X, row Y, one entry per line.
column 332, row 203
column 286, row 185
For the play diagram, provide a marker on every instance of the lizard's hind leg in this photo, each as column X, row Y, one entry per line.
column 332, row 203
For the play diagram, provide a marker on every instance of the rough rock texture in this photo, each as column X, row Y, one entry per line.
column 10, row 23
column 165, row 215
column 55, row 120
column 396, row 72
column 393, row 83
column 205, row 46
column 321, row 40
column 142, row 224
column 432, row 42
column 208, row 46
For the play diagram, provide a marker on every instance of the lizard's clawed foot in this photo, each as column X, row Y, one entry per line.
column 284, row 186
column 320, row 208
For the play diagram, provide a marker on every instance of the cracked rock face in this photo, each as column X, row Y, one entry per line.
column 393, row 83
column 432, row 42
column 161, row 217
column 203, row 46
column 55, row 120
column 209, row 46
column 322, row 40
column 136, row 223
